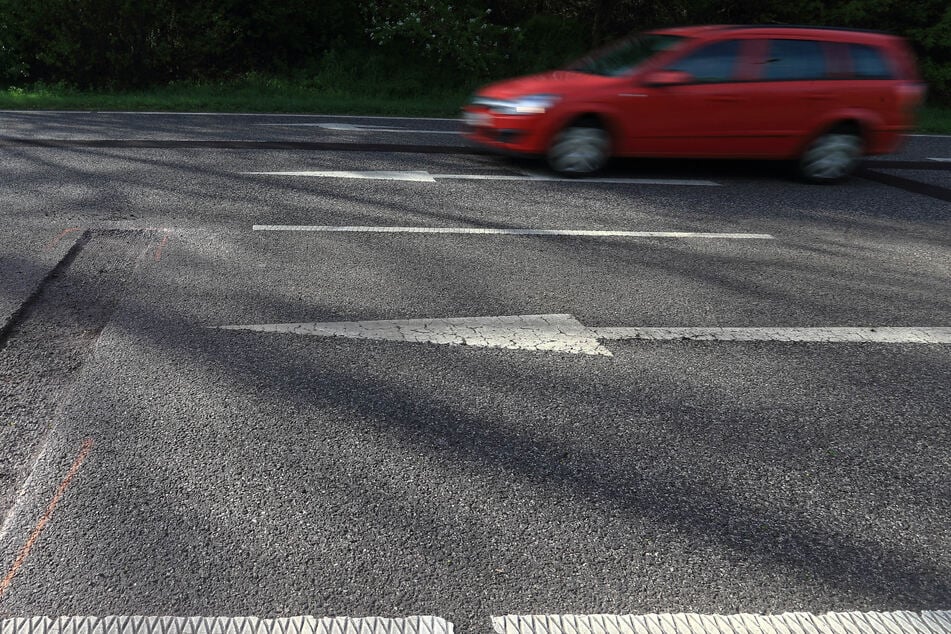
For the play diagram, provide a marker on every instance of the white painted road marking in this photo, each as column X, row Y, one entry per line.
column 823, row 334
column 790, row 622
column 223, row 625
column 426, row 177
column 549, row 333
column 941, row 160
column 421, row 177
column 558, row 179
column 564, row 333
column 228, row 114
column 517, row 232
column 353, row 127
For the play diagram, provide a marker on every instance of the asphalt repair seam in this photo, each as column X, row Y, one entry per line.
column 7, row 329
column 46, row 342
column 907, row 184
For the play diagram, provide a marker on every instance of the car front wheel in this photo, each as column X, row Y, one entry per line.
column 831, row 157
column 579, row 149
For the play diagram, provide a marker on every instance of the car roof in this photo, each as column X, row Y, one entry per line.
column 771, row 29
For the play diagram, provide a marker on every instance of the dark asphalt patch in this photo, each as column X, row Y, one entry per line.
column 43, row 347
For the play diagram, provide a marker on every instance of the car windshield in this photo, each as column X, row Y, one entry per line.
column 624, row 56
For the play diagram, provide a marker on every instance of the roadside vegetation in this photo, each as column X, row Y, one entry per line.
column 395, row 57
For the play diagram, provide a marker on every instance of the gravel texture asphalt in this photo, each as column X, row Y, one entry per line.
column 236, row 472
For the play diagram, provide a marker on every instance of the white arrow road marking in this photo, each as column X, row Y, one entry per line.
column 517, row 232
column 549, row 333
column 420, row 177
column 800, row 622
column 426, row 177
column 564, row 333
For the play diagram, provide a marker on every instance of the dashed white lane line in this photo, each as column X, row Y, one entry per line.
column 426, row 177
column 353, row 127
column 788, row 623
column 517, row 232
column 940, row 159
column 564, row 333
column 223, row 625
column 383, row 175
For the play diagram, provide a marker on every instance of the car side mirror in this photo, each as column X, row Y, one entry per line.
column 662, row 78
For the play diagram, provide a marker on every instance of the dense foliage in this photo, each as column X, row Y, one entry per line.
column 134, row 43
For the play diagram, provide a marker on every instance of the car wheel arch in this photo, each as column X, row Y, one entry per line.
column 598, row 118
column 850, row 123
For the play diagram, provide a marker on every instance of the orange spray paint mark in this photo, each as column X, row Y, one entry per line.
column 40, row 525
column 65, row 232
column 158, row 251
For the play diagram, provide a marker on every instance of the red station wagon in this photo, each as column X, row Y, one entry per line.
column 823, row 97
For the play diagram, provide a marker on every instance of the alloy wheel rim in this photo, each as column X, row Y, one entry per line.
column 832, row 156
column 579, row 150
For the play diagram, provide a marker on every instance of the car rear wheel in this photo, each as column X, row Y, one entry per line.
column 579, row 149
column 831, row 157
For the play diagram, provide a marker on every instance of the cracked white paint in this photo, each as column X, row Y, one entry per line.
column 564, row 333
column 542, row 333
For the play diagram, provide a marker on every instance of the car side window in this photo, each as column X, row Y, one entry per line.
column 788, row 60
column 869, row 63
column 711, row 63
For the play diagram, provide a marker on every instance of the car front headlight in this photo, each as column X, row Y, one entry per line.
column 529, row 104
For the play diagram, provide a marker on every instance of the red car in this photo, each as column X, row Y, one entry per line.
column 821, row 96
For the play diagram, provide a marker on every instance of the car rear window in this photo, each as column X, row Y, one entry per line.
column 788, row 60
column 869, row 63
column 711, row 63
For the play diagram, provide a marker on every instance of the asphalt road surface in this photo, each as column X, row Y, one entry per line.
column 737, row 398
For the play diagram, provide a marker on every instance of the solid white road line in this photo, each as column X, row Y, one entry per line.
column 518, row 232
column 230, row 114
column 581, row 181
column 564, row 333
column 788, row 623
column 423, row 176
column 223, row 625
column 823, row 334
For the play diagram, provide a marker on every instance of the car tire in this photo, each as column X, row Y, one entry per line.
column 831, row 157
column 580, row 149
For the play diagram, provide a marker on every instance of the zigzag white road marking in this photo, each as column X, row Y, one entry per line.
column 789, row 623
